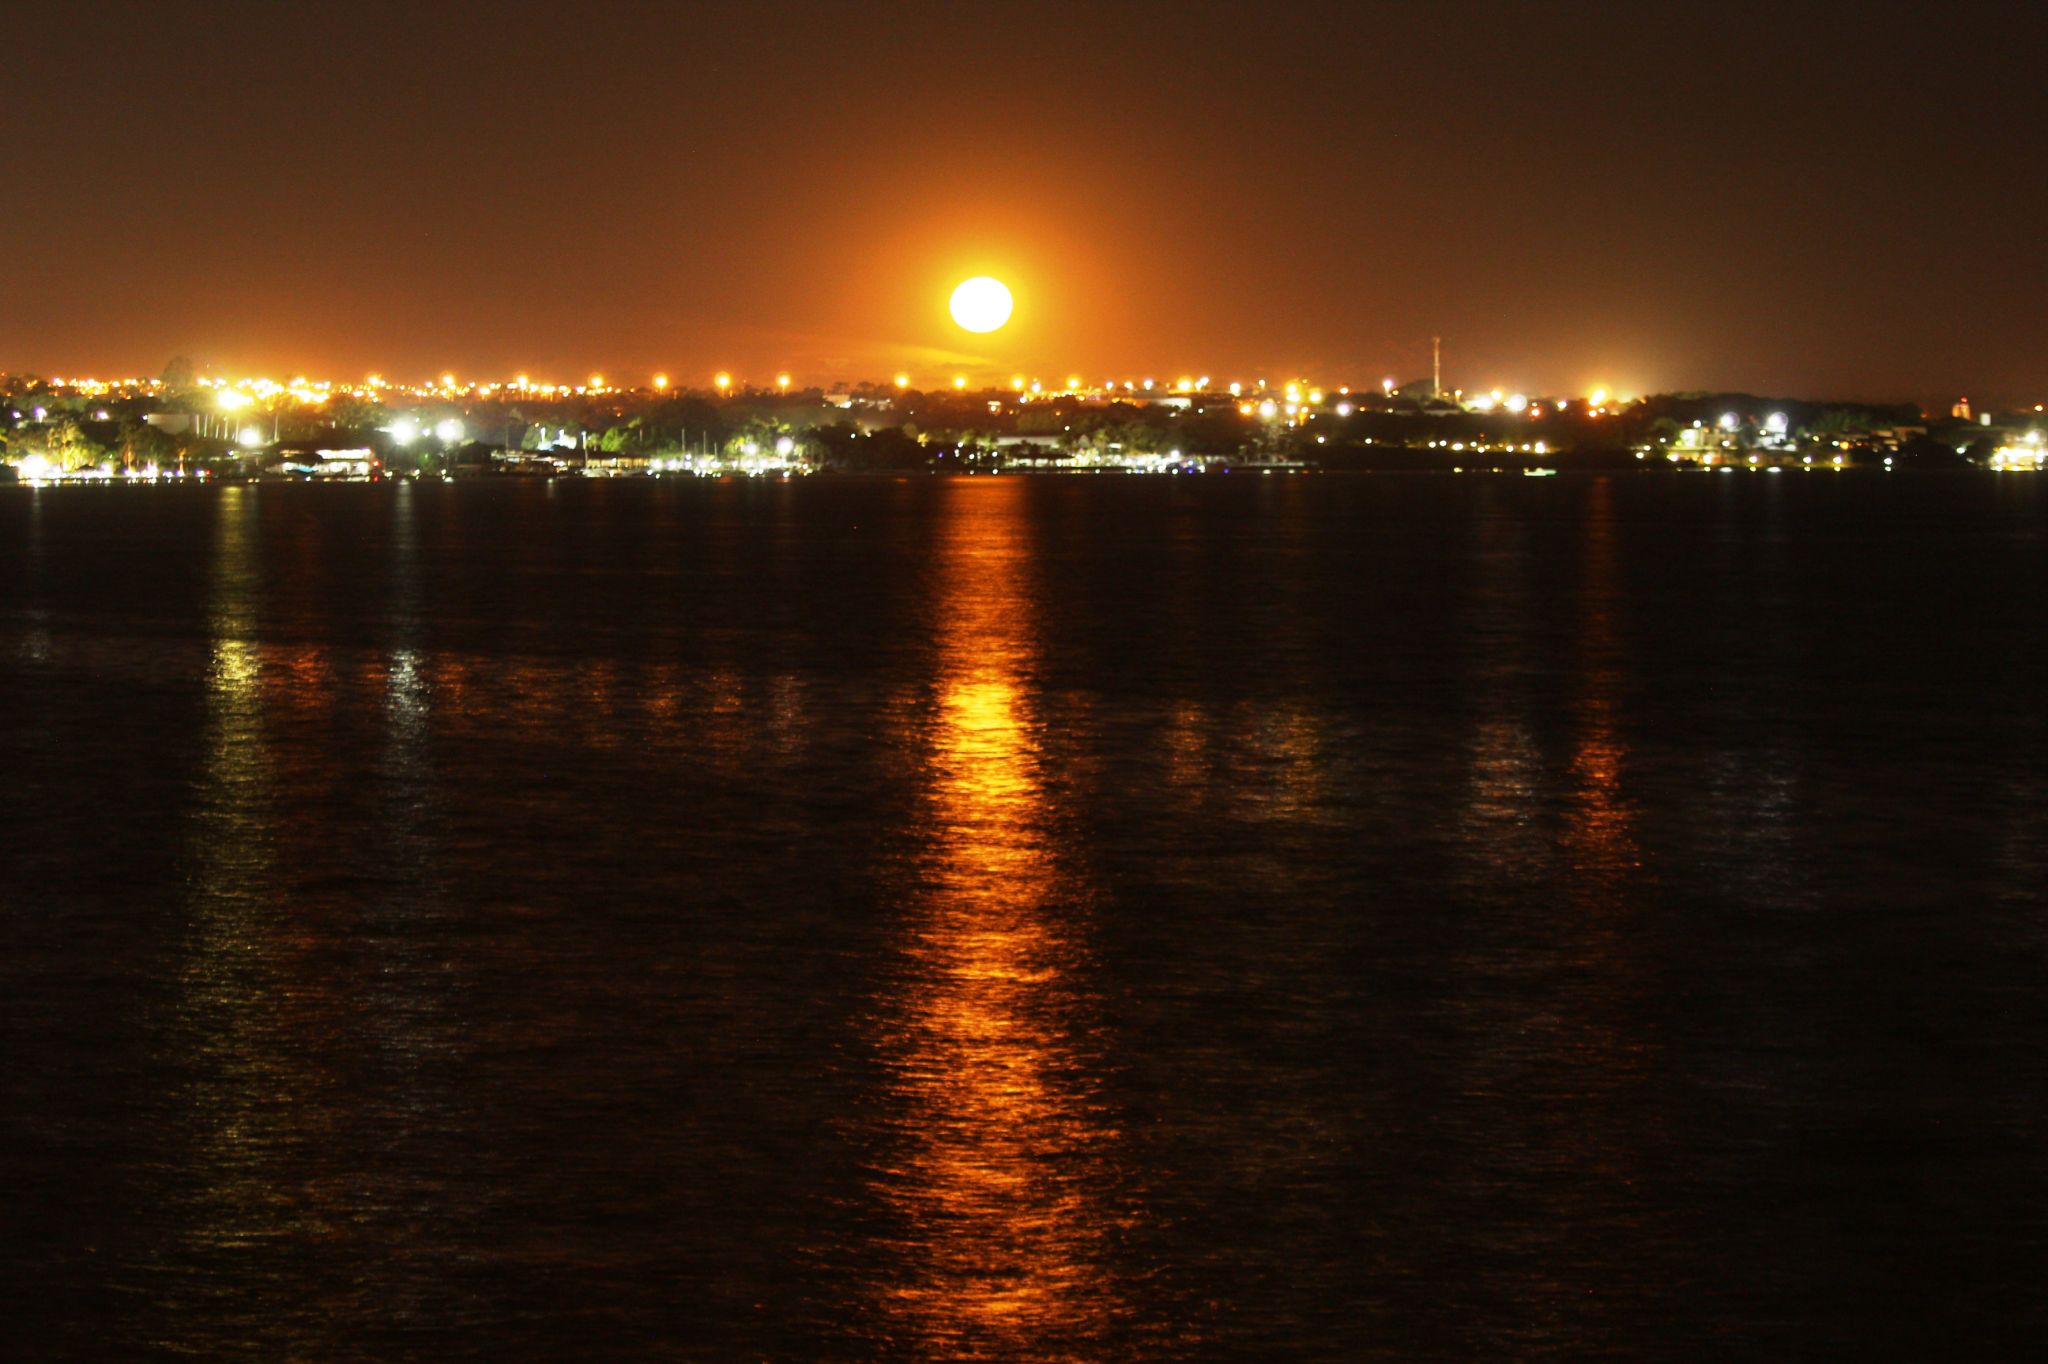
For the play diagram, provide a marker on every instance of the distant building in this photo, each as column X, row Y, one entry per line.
column 2026, row 454
column 330, row 454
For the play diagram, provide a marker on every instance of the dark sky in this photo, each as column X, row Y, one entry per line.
column 1842, row 200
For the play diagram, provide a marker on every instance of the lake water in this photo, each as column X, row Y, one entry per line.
column 1224, row 918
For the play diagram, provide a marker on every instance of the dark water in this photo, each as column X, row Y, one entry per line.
column 1236, row 918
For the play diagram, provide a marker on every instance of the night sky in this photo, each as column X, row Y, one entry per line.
column 1838, row 200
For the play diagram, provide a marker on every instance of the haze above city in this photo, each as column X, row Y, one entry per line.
column 1821, row 199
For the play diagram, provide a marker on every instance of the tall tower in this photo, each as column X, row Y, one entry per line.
column 1436, row 367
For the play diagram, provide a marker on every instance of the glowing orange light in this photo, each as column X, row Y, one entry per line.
column 995, row 1080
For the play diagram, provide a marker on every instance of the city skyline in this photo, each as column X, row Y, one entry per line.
column 307, row 389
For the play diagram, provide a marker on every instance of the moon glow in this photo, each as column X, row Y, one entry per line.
column 982, row 304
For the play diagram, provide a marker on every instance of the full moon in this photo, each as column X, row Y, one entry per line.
column 982, row 304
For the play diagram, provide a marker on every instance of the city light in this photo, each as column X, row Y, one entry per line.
column 1280, row 431
column 2028, row 455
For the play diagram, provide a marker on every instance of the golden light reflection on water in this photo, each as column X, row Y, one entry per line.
column 235, row 1111
column 270, row 1034
column 235, row 779
column 1001, row 1184
column 1599, row 830
column 35, row 639
column 1603, row 1049
column 1504, row 764
column 1558, row 981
